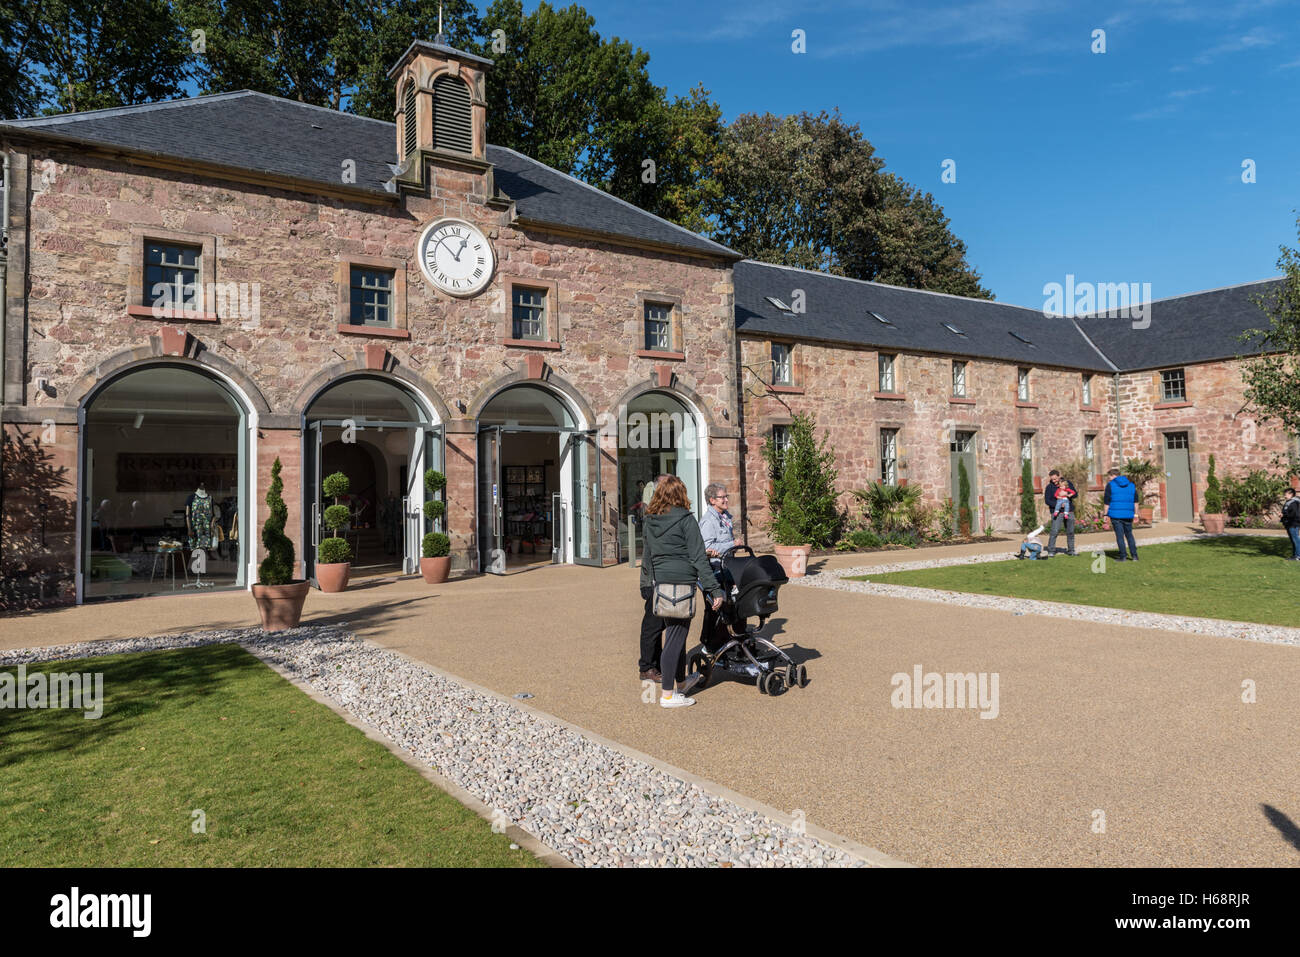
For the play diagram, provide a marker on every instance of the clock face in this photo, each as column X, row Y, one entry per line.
column 456, row 257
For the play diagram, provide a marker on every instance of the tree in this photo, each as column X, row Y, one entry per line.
column 20, row 89
column 1028, row 498
column 802, row 497
column 1273, row 378
column 277, row 567
column 1213, row 491
column 88, row 55
column 963, row 498
column 808, row 191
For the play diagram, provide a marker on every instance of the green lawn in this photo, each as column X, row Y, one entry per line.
column 282, row 780
column 1243, row 578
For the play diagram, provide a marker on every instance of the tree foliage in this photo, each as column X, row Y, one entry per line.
column 277, row 567
column 803, row 497
column 1273, row 378
column 1028, row 498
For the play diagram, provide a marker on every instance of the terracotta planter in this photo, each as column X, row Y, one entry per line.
column 435, row 570
column 793, row 559
column 281, row 605
column 1146, row 513
column 333, row 576
column 1214, row 522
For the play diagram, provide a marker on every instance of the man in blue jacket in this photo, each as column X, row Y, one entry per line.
column 1121, row 506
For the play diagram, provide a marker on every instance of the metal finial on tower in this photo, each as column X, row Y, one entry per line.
column 441, row 37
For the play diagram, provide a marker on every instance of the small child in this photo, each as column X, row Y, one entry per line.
column 1031, row 547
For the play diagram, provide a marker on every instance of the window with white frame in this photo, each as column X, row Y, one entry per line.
column 959, row 379
column 1027, row 446
column 1087, row 389
column 658, row 327
column 528, row 308
column 889, row 456
column 885, row 380
column 1090, row 453
column 1022, row 384
column 780, row 442
column 782, row 370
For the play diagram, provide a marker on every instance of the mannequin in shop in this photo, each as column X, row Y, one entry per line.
column 199, row 525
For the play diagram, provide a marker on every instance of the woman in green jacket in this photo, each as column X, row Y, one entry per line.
column 674, row 554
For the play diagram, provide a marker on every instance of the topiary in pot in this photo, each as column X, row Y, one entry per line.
column 334, row 554
column 278, row 595
column 963, row 499
column 1214, row 516
column 435, row 549
column 805, row 513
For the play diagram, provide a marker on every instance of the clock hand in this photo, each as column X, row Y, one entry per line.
column 463, row 244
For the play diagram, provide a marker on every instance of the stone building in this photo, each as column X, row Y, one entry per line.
column 196, row 288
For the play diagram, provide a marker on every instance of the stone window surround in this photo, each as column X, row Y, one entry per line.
column 876, row 393
column 959, row 375
column 506, row 329
column 1162, row 403
column 1092, row 385
column 135, row 304
column 1095, row 481
column 900, row 463
column 343, row 299
column 678, row 351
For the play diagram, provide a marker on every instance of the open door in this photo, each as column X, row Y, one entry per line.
column 311, row 482
column 491, row 556
column 587, row 532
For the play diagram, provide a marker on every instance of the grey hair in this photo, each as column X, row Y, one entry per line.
column 713, row 490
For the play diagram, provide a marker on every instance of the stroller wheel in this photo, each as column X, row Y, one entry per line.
column 798, row 676
column 775, row 683
column 698, row 664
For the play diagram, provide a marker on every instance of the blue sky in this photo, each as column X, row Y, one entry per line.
column 1123, row 166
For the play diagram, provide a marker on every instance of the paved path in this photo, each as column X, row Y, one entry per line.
column 1146, row 726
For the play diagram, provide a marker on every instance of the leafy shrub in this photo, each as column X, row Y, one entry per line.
column 889, row 506
column 963, row 497
column 332, row 551
column 1213, row 494
column 902, row 536
column 336, row 516
column 435, row 510
column 1255, row 493
column 1140, row 472
column 1249, row 521
column 921, row 517
column 336, row 485
column 436, row 545
column 434, row 481
column 946, row 529
column 803, row 498
column 864, row 538
column 278, row 566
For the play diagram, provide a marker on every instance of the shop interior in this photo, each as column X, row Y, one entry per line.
column 530, row 478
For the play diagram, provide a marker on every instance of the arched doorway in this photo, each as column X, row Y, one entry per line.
column 658, row 434
column 164, row 486
column 539, row 482
column 383, row 436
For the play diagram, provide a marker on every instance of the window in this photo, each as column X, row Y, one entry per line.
column 780, row 442
column 1019, row 338
column 1026, row 446
column 959, row 378
column 1090, row 453
column 780, row 304
column 880, row 319
column 658, row 327
column 953, row 329
column 886, row 376
column 1087, row 390
column 528, row 313
column 889, row 456
column 1022, row 384
column 372, row 297
column 962, row 442
column 781, row 369
column 1173, row 386
column 171, row 276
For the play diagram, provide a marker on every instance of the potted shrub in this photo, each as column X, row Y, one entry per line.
column 334, row 555
column 278, row 594
column 435, row 549
column 1214, row 517
column 1140, row 472
column 804, row 512
column 964, row 512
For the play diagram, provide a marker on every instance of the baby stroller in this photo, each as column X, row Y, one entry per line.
column 733, row 644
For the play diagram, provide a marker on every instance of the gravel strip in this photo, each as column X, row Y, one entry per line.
column 1217, row 627
column 593, row 804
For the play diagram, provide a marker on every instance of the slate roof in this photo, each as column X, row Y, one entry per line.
column 268, row 134
column 840, row 310
column 1197, row 327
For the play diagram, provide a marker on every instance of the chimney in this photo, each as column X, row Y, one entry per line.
column 441, row 108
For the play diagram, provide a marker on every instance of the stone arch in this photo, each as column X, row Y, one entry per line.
column 196, row 357
column 679, row 390
column 521, row 377
column 340, row 370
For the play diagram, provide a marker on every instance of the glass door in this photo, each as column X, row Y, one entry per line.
column 492, row 558
column 311, row 466
column 585, row 463
column 424, row 453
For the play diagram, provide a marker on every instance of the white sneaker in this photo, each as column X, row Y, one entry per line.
column 676, row 701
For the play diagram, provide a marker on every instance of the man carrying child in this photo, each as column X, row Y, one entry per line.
column 1059, row 496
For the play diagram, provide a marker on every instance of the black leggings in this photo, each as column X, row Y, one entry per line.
column 675, row 631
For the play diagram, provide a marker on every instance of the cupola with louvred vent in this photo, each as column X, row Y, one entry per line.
column 441, row 110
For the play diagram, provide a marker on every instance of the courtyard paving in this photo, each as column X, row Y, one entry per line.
column 1145, row 726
